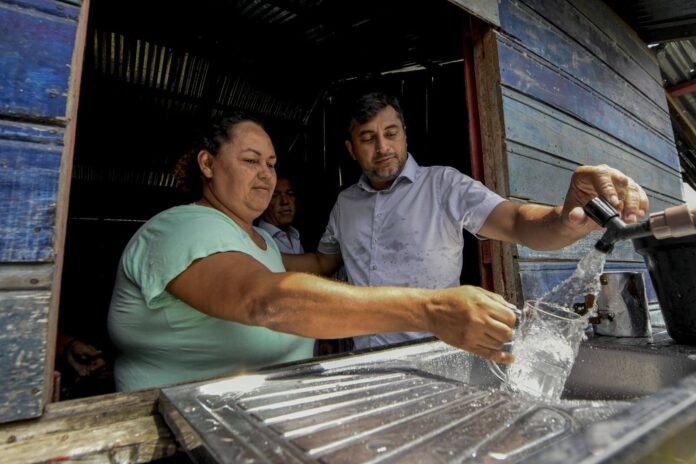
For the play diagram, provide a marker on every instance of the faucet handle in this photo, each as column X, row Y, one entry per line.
column 600, row 211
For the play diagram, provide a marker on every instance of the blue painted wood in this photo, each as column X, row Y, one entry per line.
column 29, row 184
column 528, row 75
column 534, row 129
column 27, row 132
column 24, row 322
column 55, row 8
column 615, row 29
column 539, row 278
column 36, row 48
column 35, row 53
column 623, row 251
column 556, row 30
column 543, row 179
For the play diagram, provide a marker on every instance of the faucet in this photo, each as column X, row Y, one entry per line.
column 622, row 308
column 677, row 221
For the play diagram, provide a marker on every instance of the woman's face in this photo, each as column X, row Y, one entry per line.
column 242, row 176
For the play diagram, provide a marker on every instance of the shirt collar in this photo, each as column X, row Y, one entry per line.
column 273, row 230
column 408, row 173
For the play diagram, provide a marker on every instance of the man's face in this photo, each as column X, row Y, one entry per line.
column 281, row 209
column 379, row 147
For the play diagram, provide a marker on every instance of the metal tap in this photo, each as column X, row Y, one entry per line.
column 677, row 221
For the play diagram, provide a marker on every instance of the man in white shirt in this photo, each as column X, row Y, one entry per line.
column 401, row 224
column 278, row 217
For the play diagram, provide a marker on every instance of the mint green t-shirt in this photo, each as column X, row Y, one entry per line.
column 161, row 339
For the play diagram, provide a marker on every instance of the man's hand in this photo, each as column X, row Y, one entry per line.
column 627, row 197
column 474, row 320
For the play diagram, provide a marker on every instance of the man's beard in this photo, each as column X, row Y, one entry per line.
column 389, row 173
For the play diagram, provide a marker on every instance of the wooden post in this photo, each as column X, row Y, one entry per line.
column 506, row 280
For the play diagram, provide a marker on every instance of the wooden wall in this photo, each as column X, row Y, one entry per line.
column 37, row 38
column 565, row 83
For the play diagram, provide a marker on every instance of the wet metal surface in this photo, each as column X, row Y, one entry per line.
column 420, row 403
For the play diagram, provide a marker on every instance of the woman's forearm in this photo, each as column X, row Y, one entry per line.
column 321, row 308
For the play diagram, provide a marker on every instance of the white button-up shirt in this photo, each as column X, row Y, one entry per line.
column 409, row 235
column 288, row 242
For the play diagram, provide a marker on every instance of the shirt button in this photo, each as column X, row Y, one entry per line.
column 374, row 268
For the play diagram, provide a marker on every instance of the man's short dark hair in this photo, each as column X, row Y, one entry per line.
column 367, row 106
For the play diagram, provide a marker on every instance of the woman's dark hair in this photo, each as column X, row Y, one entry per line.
column 210, row 137
column 368, row 105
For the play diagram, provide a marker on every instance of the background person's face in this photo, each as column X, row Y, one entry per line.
column 281, row 210
column 242, row 175
column 379, row 147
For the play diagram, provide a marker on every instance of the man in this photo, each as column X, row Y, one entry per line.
column 278, row 217
column 401, row 224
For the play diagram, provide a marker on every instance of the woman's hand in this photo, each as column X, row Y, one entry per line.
column 474, row 320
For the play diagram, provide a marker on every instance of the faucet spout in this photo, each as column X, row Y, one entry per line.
column 605, row 215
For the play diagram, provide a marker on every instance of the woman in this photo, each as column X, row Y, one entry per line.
column 201, row 292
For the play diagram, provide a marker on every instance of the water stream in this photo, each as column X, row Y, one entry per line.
column 584, row 281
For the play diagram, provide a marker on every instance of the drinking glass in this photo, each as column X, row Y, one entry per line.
column 545, row 345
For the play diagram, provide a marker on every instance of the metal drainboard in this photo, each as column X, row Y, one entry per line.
column 380, row 415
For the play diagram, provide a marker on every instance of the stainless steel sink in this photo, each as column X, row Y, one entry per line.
column 607, row 369
column 428, row 402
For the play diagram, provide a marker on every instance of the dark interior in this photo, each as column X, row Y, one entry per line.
column 152, row 69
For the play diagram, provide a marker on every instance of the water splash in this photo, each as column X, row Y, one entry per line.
column 584, row 281
column 544, row 355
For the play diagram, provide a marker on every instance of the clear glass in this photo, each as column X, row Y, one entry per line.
column 545, row 346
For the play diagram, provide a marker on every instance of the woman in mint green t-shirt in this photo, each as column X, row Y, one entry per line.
column 201, row 292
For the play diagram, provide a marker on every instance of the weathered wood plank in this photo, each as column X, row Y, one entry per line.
column 63, row 193
column 56, row 8
column 546, row 181
column 575, row 25
column 25, row 276
column 563, row 51
column 67, row 416
column 486, row 10
column 24, row 322
column 615, row 29
column 33, row 66
column 553, row 134
column 496, row 176
column 29, row 180
column 35, row 133
column 528, row 75
column 139, row 440
column 538, row 278
column 623, row 251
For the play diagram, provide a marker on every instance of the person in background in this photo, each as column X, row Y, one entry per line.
column 200, row 292
column 278, row 218
column 402, row 224
column 83, row 368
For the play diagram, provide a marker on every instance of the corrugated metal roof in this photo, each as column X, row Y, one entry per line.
column 659, row 20
column 669, row 26
column 678, row 64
